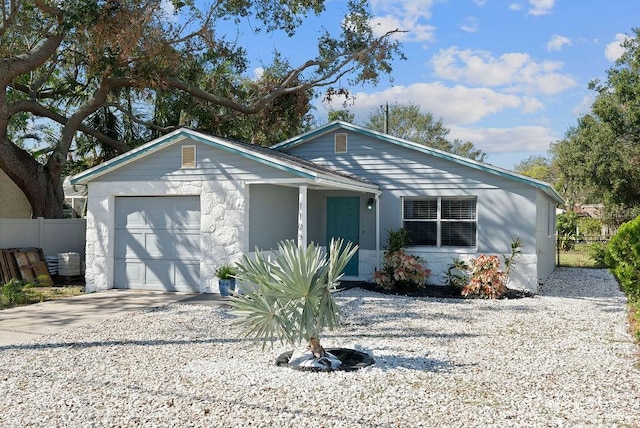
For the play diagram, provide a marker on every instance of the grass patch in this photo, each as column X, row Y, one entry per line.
column 31, row 295
column 581, row 256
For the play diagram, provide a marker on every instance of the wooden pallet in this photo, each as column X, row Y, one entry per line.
column 27, row 264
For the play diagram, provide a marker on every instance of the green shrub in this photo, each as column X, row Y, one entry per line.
column 589, row 226
column 13, row 291
column 597, row 252
column 566, row 225
column 397, row 240
column 623, row 257
column 457, row 275
column 226, row 272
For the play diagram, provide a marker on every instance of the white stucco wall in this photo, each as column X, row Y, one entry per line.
column 223, row 225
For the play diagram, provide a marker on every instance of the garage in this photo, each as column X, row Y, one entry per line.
column 157, row 243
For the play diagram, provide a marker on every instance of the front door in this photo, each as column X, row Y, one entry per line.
column 343, row 221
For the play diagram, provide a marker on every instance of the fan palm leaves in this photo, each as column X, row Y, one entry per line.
column 293, row 298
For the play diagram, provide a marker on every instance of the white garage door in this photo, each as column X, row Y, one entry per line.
column 157, row 243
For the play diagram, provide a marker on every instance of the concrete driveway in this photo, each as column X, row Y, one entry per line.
column 21, row 324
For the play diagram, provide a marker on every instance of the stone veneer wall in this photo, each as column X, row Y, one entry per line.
column 224, row 224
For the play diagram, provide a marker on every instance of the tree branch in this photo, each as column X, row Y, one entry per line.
column 151, row 125
column 41, row 111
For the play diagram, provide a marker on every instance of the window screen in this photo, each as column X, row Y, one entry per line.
column 441, row 222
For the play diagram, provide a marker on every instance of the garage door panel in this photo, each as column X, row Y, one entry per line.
column 129, row 274
column 187, row 215
column 158, row 243
column 130, row 245
column 187, row 245
column 159, row 275
column 186, row 273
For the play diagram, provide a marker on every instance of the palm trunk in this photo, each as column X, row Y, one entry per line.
column 316, row 349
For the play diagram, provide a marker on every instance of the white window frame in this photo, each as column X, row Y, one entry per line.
column 335, row 142
column 439, row 220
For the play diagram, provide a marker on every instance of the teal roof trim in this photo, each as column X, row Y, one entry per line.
column 251, row 156
column 169, row 139
column 332, row 126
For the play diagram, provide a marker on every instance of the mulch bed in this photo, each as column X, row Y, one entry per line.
column 351, row 360
column 439, row 291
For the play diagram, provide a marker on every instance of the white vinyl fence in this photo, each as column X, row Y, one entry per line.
column 52, row 235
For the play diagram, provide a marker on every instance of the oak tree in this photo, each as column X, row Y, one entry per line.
column 84, row 65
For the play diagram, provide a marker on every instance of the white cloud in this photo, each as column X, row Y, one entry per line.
column 541, row 7
column 257, row 73
column 557, row 42
column 480, row 2
column 506, row 140
column 168, row 10
column 585, row 105
column 456, row 105
column 515, row 6
column 614, row 50
column 517, row 72
column 460, row 108
column 407, row 15
column 470, row 25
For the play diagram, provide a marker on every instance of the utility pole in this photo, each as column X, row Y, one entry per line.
column 386, row 118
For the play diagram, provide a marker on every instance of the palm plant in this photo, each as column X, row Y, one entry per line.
column 293, row 298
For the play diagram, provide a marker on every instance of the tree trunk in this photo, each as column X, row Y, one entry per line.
column 41, row 186
column 316, row 349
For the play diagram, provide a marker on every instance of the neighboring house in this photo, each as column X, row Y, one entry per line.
column 167, row 214
column 75, row 199
column 14, row 203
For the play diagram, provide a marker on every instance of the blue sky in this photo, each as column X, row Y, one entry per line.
column 510, row 76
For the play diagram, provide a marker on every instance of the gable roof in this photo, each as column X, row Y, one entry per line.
column 491, row 169
column 299, row 167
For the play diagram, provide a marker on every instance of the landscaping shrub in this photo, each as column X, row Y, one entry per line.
column 13, row 291
column 589, row 226
column 597, row 252
column 400, row 271
column 457, row 275
column 487, row 280
column 623, row 257
column 567, row 224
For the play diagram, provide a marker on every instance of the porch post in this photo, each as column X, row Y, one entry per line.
column 302, row 215
column 377, row 196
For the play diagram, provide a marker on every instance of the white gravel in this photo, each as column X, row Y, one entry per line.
column 564, row 358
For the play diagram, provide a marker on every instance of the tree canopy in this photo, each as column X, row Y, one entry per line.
column 407, row 121
column 109, row 74
column 599, row 159
column 538, row 167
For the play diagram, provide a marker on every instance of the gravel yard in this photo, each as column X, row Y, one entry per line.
column 563, row 358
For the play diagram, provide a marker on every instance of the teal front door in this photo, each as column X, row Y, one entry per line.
column 343, row 221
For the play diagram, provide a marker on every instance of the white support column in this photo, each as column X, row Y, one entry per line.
column 302, row 215
column 378, row 267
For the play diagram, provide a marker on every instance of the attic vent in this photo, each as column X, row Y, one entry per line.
column 188, row 156
column 340, row 141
